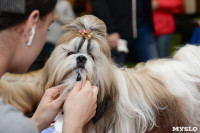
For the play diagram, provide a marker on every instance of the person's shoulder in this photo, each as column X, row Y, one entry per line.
column 13, row 120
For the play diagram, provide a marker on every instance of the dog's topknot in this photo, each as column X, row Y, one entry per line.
column 91, row 22
column 97, row 26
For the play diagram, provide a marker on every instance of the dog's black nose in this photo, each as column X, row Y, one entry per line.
column 81, row 59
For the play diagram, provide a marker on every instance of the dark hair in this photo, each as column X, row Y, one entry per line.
column 8, row 19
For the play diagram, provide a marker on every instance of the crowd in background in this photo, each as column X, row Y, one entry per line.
column 149, row 29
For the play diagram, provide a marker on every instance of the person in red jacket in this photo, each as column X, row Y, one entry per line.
column 164, row 24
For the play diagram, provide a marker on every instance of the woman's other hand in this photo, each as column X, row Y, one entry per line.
column 79, row 107
column 48, row 107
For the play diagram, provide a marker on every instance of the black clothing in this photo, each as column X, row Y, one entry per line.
column 117, row 15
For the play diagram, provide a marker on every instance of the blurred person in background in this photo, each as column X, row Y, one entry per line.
column 81, row 7
column 63, row 12
column 23, row 27
column 164, row 24
column 130, row 20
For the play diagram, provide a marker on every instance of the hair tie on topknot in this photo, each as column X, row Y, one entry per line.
column 86, row 33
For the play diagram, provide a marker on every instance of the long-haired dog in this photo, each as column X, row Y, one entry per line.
column 153, row 97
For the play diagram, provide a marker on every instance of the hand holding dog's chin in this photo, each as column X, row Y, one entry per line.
column 48, row 107
column 79, row 107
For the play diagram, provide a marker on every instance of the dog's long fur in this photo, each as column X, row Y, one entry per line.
column 21, row 91
column 153, row 97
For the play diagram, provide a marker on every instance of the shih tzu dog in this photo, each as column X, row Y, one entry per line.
column 153, row 97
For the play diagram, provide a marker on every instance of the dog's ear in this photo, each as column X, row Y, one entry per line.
column 43, row 79
column 102, row 105
column 101, row 108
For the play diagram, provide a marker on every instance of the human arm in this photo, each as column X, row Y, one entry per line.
column 48, row 107
column 14, row 121
column 79, row 107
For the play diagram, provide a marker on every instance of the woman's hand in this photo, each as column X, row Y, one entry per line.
column 79, row 107
column 48, row 107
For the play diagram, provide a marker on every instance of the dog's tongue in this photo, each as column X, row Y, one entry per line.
column 78, row 77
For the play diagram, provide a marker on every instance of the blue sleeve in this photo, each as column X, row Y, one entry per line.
column 196, row 36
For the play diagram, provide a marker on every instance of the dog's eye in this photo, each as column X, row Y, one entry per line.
column 91, row 56
column 70, row 53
